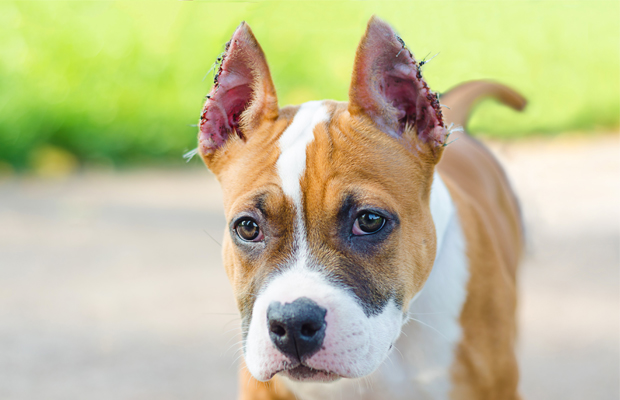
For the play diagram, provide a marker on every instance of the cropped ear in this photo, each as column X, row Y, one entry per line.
column 387, row 86
column 242, row 96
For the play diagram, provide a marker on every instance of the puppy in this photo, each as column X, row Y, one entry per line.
column 372, row 254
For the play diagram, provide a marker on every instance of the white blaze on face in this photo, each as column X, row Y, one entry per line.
column 354, row 344
column 293, row 142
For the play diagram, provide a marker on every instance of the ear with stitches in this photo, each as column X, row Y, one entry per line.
column 242, row 96
column 387, row 86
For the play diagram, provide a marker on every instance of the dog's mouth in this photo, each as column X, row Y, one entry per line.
column 303, row 373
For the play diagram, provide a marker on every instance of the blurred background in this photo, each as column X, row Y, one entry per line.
column 111, row 283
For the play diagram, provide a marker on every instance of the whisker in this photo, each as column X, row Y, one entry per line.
column 232, row 329
column 222, row 313
column 235, row 360
column 212, row 238
column 230, row 347
column 234, row 344
column 231, row 338
column 430, row 313
column 427, row 325
column 399, row 352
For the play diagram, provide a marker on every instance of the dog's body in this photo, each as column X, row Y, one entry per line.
column 344, row 225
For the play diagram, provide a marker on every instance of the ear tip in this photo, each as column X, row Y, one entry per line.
column 379, row 31
column 374, row 19
column 381, row 37
column 376, row 23
column 243, row 31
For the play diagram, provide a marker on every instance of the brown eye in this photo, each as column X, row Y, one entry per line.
column 368, row 223
column 247, row 229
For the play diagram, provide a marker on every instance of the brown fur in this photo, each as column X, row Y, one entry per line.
column 345, row 151
column 350, row 155
column 486, row 366
column 251, row 389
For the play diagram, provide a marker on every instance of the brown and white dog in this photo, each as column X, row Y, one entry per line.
column 363, row 266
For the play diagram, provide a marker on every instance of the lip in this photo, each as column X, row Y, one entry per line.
column 303, row 373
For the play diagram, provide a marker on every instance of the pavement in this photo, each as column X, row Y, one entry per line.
column 112, row 285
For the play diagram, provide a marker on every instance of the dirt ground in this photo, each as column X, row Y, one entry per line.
column 111, row 284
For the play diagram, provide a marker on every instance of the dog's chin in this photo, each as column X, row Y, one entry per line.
column 302, row 373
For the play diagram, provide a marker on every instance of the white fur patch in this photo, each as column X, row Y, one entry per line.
column 293, row 142
column 442, row 210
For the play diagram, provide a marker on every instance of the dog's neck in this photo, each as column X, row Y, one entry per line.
column 419, row 366
column 430, row 338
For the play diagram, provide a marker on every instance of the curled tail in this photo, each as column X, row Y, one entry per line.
column 462, row 99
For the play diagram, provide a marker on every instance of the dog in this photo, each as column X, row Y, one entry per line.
column 372, row 255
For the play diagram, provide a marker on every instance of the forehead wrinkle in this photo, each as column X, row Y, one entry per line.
column 254, row 198
column 253, row 171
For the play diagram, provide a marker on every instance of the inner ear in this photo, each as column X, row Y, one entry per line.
column 401, row 94
column 242, row 96
column 233, row 102
column 387, row 86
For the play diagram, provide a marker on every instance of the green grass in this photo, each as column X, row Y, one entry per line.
column 119, row 82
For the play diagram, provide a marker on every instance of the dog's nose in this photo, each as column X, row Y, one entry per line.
column 297, row 329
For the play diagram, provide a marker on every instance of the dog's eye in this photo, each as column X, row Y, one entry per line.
column 247, row 229
column 368, row 223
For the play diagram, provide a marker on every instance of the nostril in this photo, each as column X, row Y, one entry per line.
column 308, row 330
column 278, row 329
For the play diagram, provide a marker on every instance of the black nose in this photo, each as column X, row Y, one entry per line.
column 297, row 328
